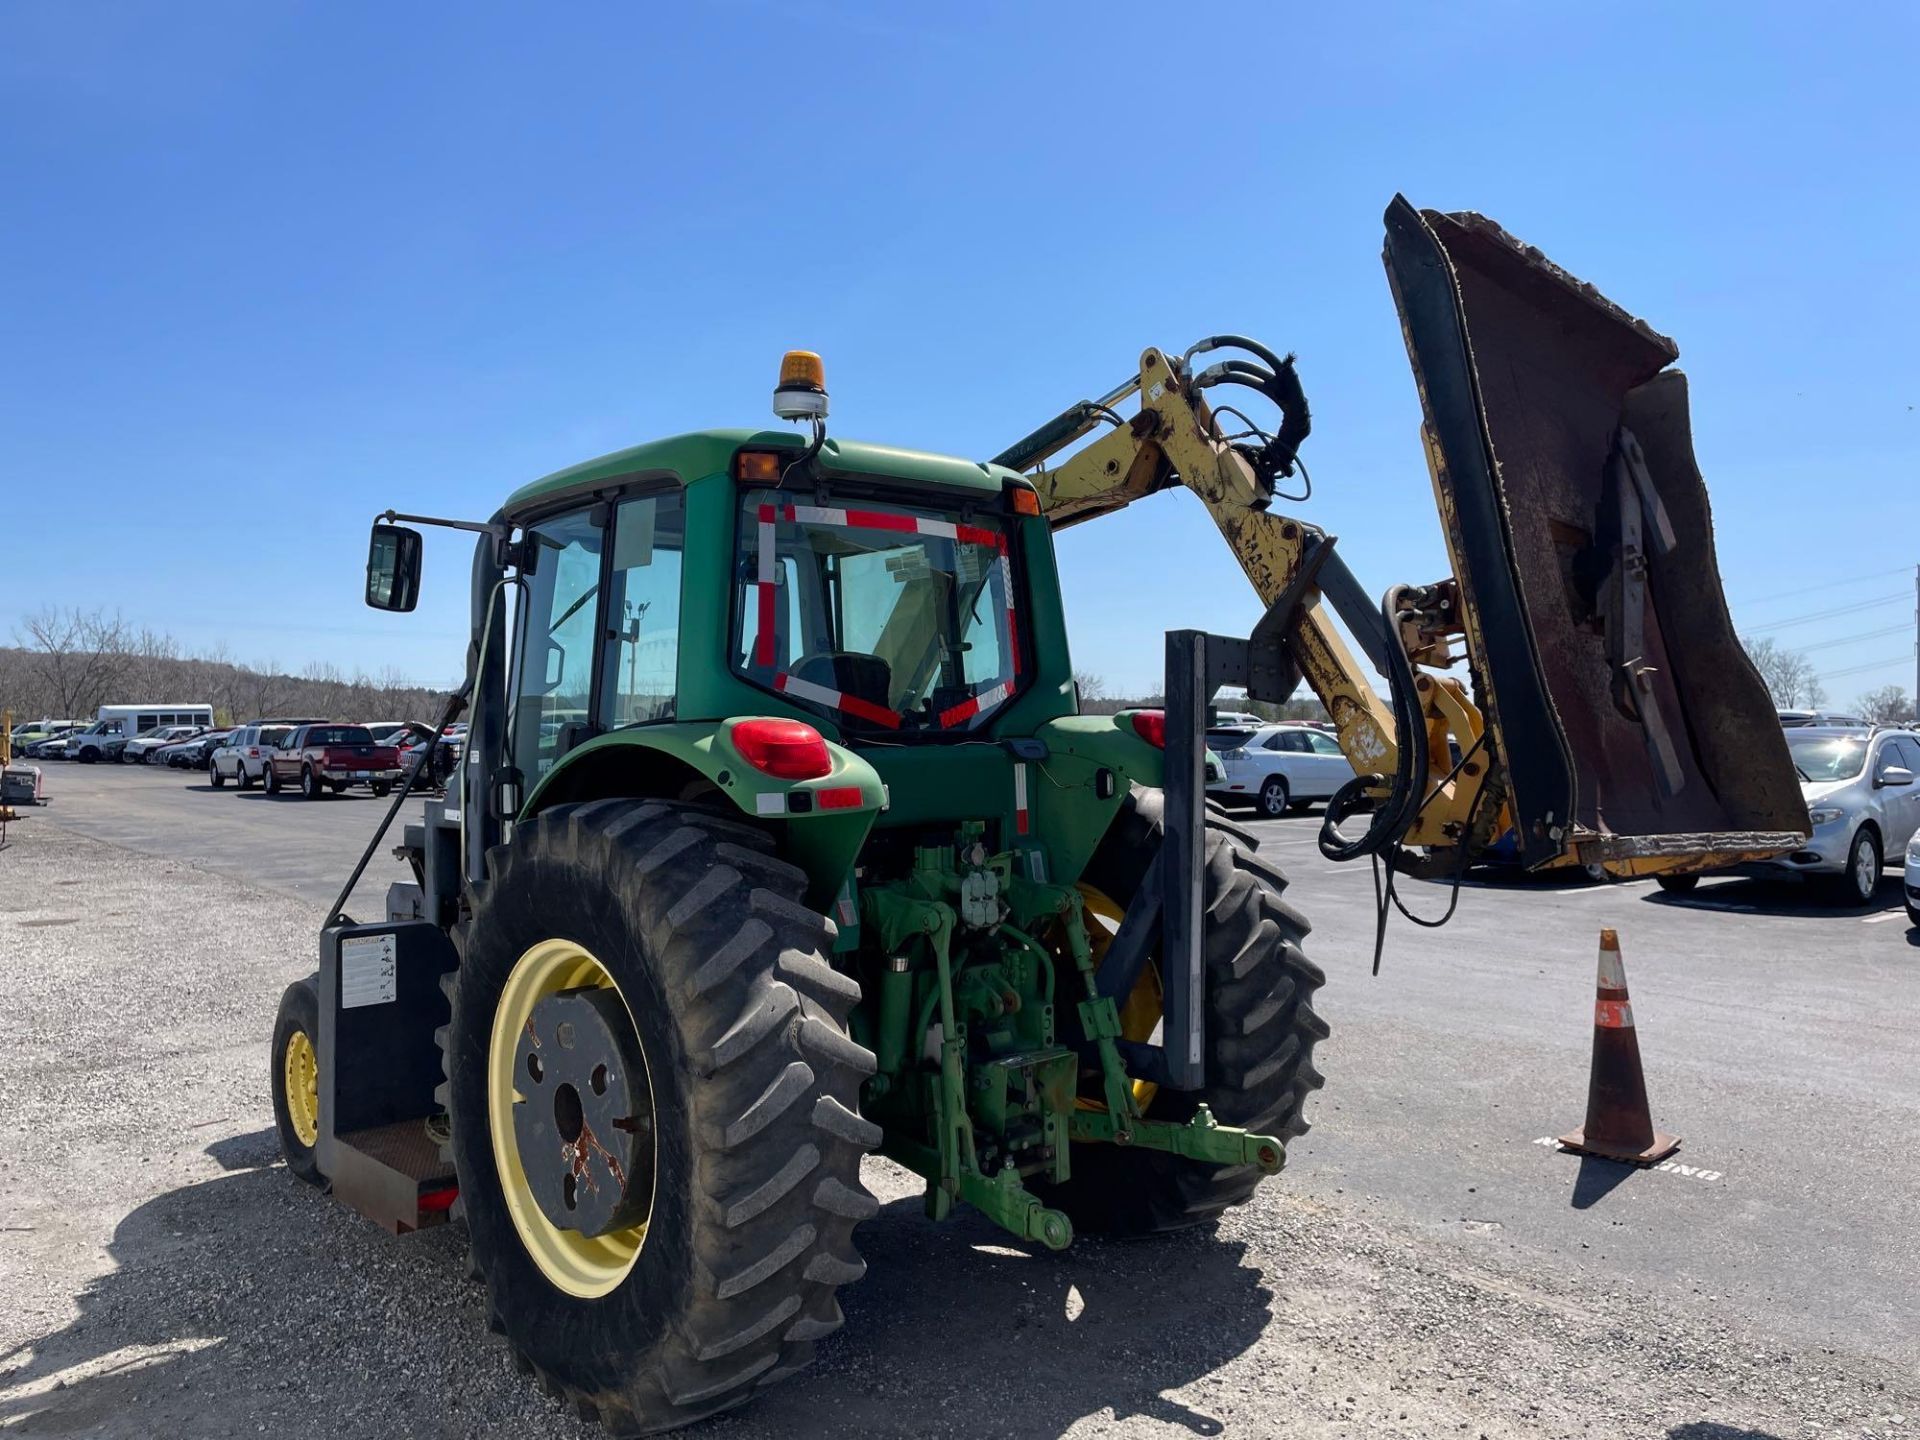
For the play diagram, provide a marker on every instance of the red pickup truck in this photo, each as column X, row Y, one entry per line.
column 323, row 759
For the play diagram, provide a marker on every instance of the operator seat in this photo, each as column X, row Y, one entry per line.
column 851, row 672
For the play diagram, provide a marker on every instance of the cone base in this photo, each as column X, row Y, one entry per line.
column 1660, row 1149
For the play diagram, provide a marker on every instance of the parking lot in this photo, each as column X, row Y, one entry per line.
column 1429, row 1264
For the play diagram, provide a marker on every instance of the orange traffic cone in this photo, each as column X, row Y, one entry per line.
column 1619, row 1122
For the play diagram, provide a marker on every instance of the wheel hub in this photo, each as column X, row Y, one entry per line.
column 584, row 1131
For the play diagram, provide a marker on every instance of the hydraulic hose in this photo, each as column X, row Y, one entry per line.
column 1279, row 382
column 1396, row 813
column 456, row 702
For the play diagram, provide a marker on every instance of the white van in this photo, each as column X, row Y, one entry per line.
column 107, row 737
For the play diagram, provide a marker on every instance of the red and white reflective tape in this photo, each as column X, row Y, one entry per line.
column 1613, row 975
column 1021, row 819
column 1613, row 1014
column 969, row 708
column 786, row 684
column 1013, row 624
column 769, row 605
column 846, row 519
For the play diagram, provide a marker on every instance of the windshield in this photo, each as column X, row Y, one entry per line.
column 888, row 616
column 1229, row 737
column 1821, row 758
column 339, row 735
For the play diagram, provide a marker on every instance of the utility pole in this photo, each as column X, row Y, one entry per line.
column 1916, row 643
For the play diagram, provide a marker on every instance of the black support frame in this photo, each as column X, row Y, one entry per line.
column 1198, row 665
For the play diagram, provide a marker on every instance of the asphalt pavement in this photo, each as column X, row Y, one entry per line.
column 1429, row 1264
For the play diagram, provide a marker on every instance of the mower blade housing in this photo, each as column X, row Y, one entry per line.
column 1632, row 725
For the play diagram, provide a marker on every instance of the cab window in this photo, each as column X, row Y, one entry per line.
column 642, row 662
column 559, row 618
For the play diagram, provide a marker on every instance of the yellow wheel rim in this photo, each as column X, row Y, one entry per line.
column 583, row 1266
column 302, row 1076
column 1140, row 1016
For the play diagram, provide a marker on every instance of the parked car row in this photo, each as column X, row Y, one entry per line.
column 1862, row 787
column 315, row 756
column 1861, row 783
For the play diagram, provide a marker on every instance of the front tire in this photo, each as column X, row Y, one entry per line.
column 1274, row 797
column 296, row 1078
column 214, row 776
column 753, row 1087
column 1862, row 878
column 1261, row 1030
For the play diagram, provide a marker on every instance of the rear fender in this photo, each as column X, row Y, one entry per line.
column 696, row 761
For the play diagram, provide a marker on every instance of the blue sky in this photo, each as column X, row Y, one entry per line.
column 269, row 268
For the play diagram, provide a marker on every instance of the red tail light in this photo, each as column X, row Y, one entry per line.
column 786, row 749
column 1151, row 726
column 840, row 797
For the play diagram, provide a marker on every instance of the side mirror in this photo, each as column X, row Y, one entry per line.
column 393, row 568
column 1893, row 775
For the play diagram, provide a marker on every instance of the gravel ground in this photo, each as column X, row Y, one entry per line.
column 161, row 1273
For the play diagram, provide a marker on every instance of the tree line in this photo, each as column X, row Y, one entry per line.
column 67, row 663
column 1791, row 681
column 1789, row 676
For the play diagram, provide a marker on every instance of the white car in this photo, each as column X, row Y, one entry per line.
column 1862, row 789
column 243, row 758
column 1279, row 768
column 1913, row 879
column 138, row 750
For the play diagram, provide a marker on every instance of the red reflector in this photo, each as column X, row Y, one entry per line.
column 1151, row 726
column 841, row 797
column 787, row 749
column 436, row 1200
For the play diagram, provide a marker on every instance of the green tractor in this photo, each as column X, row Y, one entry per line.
column 780, row 838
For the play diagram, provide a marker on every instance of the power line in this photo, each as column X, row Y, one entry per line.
column 1904, row 628
column 1862, row 669
column 1827, row 585
column 1832, row 614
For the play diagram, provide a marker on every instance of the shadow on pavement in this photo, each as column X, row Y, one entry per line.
column 252, row 1304
column 1713, row 1430
column 1803, row 899
column 1597, row 1179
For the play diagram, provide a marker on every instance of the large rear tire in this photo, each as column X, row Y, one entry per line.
column 729, row 1274
column 1261, row 1030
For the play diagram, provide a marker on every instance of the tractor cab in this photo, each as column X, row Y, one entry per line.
column 887, row 615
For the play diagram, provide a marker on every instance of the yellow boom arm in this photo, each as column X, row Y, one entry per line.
column 1613, row 716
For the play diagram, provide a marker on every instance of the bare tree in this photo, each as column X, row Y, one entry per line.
column 78, row 656
column 1885, row 706
column 150, row 664
column 1090, row 685
column 1788, row 673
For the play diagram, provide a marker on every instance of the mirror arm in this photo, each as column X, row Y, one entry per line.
column 498, row 529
